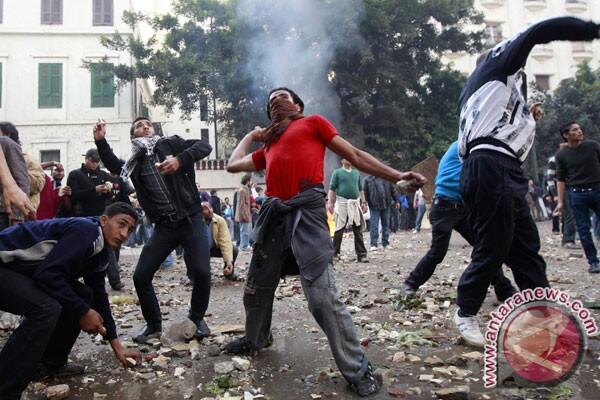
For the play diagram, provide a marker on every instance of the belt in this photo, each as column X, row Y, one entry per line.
column 585, row 188
column 447, row 203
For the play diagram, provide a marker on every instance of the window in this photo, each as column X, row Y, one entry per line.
column 542, row 82
column 49, row 155
column 204, row 108
column 204, row 134
column 579, row 46
column 1, row 11
column 52, row 11
column 103, row 86
column 103, row 13
column 493, row 34
column 50, row 85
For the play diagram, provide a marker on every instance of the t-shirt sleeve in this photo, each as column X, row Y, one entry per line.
column 258, row 158
column 326, row 131
column 561, row 173
column 334, row 181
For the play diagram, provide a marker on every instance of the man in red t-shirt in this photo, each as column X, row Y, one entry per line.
column 292, row 235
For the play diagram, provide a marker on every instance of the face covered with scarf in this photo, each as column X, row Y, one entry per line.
column 143, row 141
column 282, row 111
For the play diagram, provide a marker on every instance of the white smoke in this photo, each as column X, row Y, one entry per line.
column 294, row 42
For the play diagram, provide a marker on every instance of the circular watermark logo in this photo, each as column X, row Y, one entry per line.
column 542, row 342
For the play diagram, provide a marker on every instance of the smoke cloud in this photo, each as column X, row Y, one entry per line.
column 293, row 42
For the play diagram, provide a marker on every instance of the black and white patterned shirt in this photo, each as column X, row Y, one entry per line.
column 493, row 105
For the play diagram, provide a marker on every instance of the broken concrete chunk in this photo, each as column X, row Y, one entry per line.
column 224, row 367
column 453, row 393
column 433, row 361
column 58, row 392
column 240, row 363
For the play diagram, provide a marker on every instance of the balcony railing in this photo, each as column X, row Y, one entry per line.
column 576, row 6
column 492, row 3
column 535, row 5
column 581, row 51
column 541, row 52
column 207, row 165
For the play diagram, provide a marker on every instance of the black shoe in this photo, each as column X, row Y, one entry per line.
column 407, row 290
column 44, row 371
column 146, row 334
column 362, row 259
column 118, row 286
column 242, row 346
column 202, row 330
column 369, row 384
column 594, row 268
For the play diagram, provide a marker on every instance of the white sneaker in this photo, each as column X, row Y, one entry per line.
column 373, row 248
column 469, row 330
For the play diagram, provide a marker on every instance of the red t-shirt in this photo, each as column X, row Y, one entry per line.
column 295, row 161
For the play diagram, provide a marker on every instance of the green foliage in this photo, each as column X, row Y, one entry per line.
column 395, row 97
column 575, row 99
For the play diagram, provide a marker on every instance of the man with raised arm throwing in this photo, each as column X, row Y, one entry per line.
column 162, row 172
column 496, row 133
column 292, row 235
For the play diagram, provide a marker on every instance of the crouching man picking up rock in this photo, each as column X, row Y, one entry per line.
column 40, row 266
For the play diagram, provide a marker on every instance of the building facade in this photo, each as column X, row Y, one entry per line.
column 53, row 86
column 548, row 64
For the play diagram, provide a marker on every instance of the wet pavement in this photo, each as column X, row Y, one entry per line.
column 299, row 365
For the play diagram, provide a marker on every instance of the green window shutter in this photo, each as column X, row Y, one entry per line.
column 50, row 85
column 102, row 86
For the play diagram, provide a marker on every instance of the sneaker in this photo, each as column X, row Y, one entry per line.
column 242, row 346
column 146, row 334
column 387, row 247
column 407, row 290
column 118, row 286
column 369, row 384
column 373, row 248
column 362, row 259
column 44, row 371
column 571, row 246
column 469, row 330
column 202, row 330
column 594, row 268
column 415, row 231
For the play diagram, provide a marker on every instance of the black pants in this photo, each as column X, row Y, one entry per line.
column 494, row 189
column 193, row 236
column 443, row 221
column 215, row 252
column 46, row 334
column 569, row 227
column 114, row 270
column 359, row 243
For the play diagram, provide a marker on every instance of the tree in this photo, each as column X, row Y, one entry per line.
column 372, row 66
column 575, row 99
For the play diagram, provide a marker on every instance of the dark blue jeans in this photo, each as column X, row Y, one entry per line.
column 581, row 204
column 384, row 217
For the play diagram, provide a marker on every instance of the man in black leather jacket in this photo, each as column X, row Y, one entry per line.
column 162, row 172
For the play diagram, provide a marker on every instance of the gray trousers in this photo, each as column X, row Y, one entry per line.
column 268, row 265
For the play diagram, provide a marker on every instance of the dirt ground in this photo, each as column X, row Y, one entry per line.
column 299, row 365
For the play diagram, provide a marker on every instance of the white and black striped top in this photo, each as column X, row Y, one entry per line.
column 493, row 104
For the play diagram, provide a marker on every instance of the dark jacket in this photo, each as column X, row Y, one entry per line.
column 379, row 193
column 181, row 185
column 54, row 253
column 18, row 169
column 306, row 229
column 85, row 201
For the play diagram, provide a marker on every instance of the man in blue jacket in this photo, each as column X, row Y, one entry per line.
column 40, row 266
